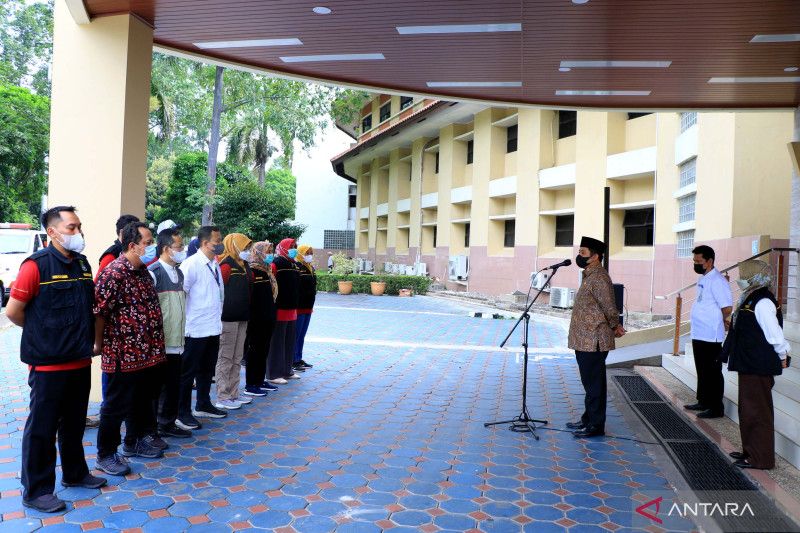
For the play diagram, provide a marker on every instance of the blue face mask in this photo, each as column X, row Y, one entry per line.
column 149, row 254
column 269, row 258
column 292, row 253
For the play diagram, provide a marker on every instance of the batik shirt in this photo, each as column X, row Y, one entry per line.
column 594, row 313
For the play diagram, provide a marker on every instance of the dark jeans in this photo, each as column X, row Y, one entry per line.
column 198, row 364
column 592, row 367
column 710, row 383
column 302, row 328
column 281, row 349
column 167, row 400
column 58, row 408
column 259, row 335
column 130, row 397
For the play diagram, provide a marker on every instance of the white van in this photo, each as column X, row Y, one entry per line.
column 17, row 242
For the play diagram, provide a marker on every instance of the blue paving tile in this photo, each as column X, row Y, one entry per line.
column 411, row 518
column 20, row 525
column 270, row 519
column 169, row 524
column 88, row 514
column 454, row 522
column 543, row 512
column 189, row 508
column 286, row 503
column 499, row 525
column 314, row 524
column 125, row 519
column 151, row 503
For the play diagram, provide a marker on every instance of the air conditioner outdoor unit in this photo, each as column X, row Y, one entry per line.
column 539, row 279
column 360, row 265
column 421, row 269
column 387, row 267
column 397, row 268
column 559, row 297
column 458, row 267
column 368, row 266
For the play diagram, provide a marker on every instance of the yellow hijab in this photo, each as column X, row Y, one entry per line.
column 302, row 250
column 234, row 243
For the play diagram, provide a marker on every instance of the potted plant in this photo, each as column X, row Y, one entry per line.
column 404, row 292
column 378, row 287
column 343, row 266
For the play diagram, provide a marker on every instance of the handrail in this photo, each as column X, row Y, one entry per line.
column 723, row 271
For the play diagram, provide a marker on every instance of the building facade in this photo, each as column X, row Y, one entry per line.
column 504, row 192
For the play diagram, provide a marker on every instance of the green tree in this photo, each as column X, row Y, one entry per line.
column 346, row 106
column 26, row 43
column 158, row 178
column 24, row 141
column 258, row 212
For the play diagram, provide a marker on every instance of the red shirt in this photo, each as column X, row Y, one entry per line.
column 25, row 289
column 104, row 262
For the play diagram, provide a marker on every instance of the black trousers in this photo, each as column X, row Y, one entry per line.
column 130, row 397
column 198, row 363
column 58, row 408
column 710, row 383
column 592, row 367
column 259, row 336
column 166, row 403
column 281, row 349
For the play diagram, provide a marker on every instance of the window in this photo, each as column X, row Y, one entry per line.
column 688, row 120
column 366, row 124
column 434, row 236
column 685, row 242
column 686, row 208
column 565, row 225
column 688, row 172
column 470, row 146
column 436, row 169
column 638, row 224
column 632, row 116
column 567, row 123
column 466, row 235
column 352, row 201
column 385, row 112
column 508, row 234
column 334, row 239
column 511, row 139
column 406, row 101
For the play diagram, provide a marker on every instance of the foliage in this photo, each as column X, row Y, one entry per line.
column 343, row 265
column 329, row 282
column 346, row 106
column 24, row 142
column 158, row 178
column 26, row 43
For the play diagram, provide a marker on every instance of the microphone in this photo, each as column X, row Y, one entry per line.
column 564, row 263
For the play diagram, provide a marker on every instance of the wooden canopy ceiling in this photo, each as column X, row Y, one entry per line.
column 697, row 54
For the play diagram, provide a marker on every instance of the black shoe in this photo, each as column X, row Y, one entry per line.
column 188, row 422
column 113, row 465
column 269, row 386
column 694, row 407
column 306, row 365
column 88, row 482
column 742, row 463
column 92, row 421
column 47, row 503
column 156, row 442
column 297, row 367
column 576, row 425
column 173, row 430
column 708, row 413
column 738, row 455
column 209, row 411
column 590, row 431
column 141, row 449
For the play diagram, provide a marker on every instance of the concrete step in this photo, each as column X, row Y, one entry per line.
column 785, row 396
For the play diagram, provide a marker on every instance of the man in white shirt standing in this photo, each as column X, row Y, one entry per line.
column 202, row 282
column 710, row 315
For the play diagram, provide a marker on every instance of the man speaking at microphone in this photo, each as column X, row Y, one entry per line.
column 592, row 329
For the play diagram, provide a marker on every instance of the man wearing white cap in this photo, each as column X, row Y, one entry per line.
column 167, row 224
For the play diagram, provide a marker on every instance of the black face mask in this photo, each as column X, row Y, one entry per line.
column 699, row 269
column 581, row 261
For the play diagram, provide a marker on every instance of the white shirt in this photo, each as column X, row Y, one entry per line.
column 205, row 292
column 172, row 273
column 713, row 293
column 767, row 318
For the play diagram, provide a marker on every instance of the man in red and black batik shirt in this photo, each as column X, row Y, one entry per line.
column 129, row 333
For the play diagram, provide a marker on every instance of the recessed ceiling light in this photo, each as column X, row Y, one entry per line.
column 331, row 57
column 790, row 69
column 322, row 10
column 458, row 28
column 564, row 69
column 251, row 43
column 776, row 38
column 601, row 93
column 579, row 2
column 757, row 79
column 474, row 84
column 610, row 63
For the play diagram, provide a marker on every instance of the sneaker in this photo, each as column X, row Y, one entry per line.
column 47, row 503
column 209, row 412
column 173, row 430
column 306, row 365
column 188, row 422
column 297, row 367
column 278, row 381
column 243, row 400
column 156, row 442
column 252, row 390
column 141, row 449
column 269, row 387
column 113, row 465
column 227, row 404
column 88, row 482
column 293, row 376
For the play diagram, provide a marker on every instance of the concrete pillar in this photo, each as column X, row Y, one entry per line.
column 98, row 124
column 792, row 311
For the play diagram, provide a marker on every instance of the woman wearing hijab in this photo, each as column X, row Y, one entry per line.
column 281, row 347
column 308, row 294
column 758, row 351
column 237, row 277
column 262, row 319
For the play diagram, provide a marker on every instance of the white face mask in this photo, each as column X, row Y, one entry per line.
column 743, row 283
column 308, row 258
column 244, row 256
column 178, row 257
column 73, row 243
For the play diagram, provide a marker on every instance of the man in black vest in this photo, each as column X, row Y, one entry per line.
column 52, row 303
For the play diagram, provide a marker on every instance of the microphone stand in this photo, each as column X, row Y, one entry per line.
column 524, row 423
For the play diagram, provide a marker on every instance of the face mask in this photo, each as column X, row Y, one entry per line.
column 149, row 254
column 244, row 256
column 269, row 258
column 292, row 253
column 308, row 258
column 73, row 243
column 743, row 283
column 581, row 261
column 178, row 257
column 699, row 269
column 219, row 249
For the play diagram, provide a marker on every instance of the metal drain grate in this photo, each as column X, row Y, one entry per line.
column 666, row 422
column 637, row 389
column 705, row 467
